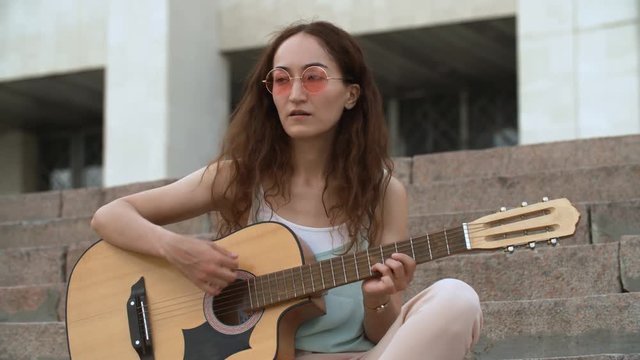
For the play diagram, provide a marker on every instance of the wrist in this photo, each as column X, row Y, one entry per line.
column 164, row 244
column 377, row 305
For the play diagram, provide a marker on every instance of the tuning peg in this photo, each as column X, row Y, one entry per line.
column 553, row 242
column 509, row 249
column 503, row 209
column 545, row 199
column 524, row 203
column 532, row 245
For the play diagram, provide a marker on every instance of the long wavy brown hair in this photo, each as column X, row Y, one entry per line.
column 258, row 148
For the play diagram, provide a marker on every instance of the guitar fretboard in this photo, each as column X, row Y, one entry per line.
column 302, row 281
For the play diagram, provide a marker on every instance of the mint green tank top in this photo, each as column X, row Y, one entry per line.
column 341, row 329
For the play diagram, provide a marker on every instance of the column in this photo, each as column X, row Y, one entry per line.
column 167, row 89
column 18, row 156
column 578, row 69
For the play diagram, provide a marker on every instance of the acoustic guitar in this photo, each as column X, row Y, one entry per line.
column 124, row 305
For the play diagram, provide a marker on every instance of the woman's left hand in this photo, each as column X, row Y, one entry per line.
column 395, row 275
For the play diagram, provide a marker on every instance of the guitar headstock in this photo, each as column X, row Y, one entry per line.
column 525, row 225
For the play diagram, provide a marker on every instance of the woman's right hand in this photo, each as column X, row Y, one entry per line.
column 208, row 266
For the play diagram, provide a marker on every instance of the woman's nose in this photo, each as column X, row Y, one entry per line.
column 297, row 90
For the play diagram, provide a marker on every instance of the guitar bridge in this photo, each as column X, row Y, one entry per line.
column 139, row 327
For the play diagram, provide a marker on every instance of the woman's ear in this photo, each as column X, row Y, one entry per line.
column 353, row 93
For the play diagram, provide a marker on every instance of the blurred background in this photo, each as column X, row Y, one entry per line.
column 112, row 92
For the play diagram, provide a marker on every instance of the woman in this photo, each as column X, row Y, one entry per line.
column 308, row 149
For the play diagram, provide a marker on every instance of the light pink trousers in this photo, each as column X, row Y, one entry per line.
column 442, row 322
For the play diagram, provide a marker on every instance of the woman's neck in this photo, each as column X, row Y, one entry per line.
column 310, row 159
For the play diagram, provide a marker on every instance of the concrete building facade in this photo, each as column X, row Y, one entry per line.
column 156, row 80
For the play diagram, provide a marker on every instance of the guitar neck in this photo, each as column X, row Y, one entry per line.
column 302, row 281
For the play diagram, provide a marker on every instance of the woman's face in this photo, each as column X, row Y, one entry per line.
column 304, row 114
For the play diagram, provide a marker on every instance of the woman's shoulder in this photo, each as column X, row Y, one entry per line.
column 218, row 170
column 395, row 188
column 394, row 196
column 218, row 176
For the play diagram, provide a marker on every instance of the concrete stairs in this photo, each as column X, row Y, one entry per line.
column 579, row 300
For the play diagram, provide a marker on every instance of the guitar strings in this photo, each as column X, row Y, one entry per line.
column 350, row 264
column 288, row 294
column 234, row 290
column 404, row 247
column 242, row 286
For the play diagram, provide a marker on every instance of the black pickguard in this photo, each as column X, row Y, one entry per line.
column 203, row 342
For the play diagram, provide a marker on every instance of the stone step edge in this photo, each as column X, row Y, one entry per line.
column 592, row 356
column 462, row 180
column 210, row 237
column 28, row 286
column 46, row 221
column 586, row 297
column 522, row 174
column 512, row 175
column 486, row 211
column 602, row 356
column 43, row 221
column 550, row 155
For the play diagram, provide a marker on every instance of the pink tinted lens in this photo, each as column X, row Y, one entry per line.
column 314, row 79
column 278, row 82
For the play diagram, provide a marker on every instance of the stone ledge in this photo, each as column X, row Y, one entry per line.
column 112, row 193
column 544, row 273
column 402, row 169
column 604, row 324
column 595, row 357
column 610, row 184
column 65, row 231
column 630, row 263
column 29, row 266
column 81, row 202
column 610, row 221
column 525, row 159
column 26, row 341
column 32, row 303
column 30, row 206
column 67, row 203
column 46, row 232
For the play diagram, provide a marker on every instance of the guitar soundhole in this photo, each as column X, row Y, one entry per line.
column 227, row 312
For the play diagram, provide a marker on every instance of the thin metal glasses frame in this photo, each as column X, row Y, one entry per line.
column 325, row 80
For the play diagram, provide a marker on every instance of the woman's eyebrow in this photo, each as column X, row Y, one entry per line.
column 316, row 64
column 303, row 67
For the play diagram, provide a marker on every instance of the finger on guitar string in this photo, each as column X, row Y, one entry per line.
column 408, row 266
column 397, row 272
column 202, row 262
column 383, row 284
column 213, row 289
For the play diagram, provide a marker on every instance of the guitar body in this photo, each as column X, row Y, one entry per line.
column 179, row 315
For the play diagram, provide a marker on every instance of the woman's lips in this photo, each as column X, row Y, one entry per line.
column 299, row 114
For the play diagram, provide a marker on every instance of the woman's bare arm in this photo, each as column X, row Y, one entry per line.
column 135, row 222
column 397, row 272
